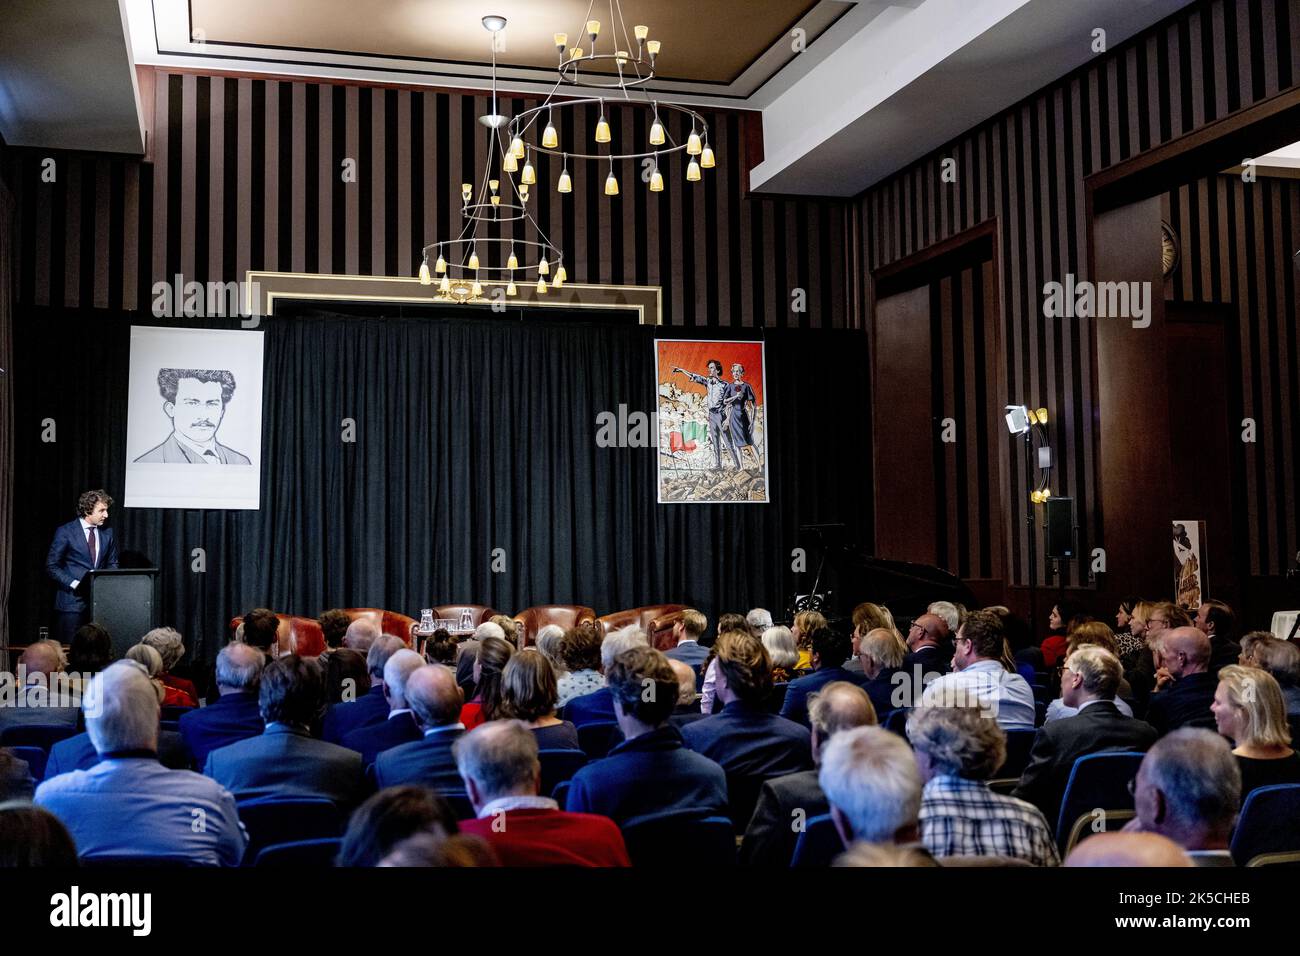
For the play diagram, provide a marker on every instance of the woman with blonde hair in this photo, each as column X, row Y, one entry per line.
column 805, row 623
column 1250, row 711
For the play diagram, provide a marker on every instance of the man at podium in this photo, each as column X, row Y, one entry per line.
column 80, row 546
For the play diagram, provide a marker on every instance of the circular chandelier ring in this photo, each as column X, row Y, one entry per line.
column 522, row 121
column 572, row 75
column 482, row 212
column 554, row 256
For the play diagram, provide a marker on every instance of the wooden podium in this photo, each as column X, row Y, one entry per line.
column 125, row 602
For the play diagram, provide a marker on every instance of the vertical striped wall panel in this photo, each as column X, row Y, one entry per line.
column 247, row 173
column 1026, row 168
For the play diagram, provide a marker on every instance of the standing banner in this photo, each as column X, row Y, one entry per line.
column 194, row 419
column 1189, row 564
column 712, row 420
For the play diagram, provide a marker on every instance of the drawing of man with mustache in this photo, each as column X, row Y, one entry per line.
column 195, row 400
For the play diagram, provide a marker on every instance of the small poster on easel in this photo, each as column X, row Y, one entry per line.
column 1189, row 564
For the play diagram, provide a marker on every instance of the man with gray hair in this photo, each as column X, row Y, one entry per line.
column 400, row 727
column 435, row 700
column 499, row 764
column 1188, row 788
column 234, row 715
column 372, row 707
column 598, row 706
column 129, row 804
column 770, row 837
column 872, row 783
column 948, row 612
column 759, row 620
column 360, row 634
column 44, row 693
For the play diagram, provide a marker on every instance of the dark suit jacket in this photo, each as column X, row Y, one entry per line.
column 1098, row 727
column 427, row 761
column 931, row 659
column 653, row 773
column 692, row 652
column 78, row 753
column 748, row 741
column 881, row 691
column 1185, row 703
column 227, row 720
column 796, row 695
column 69, row 560
column 285, row 762
column 594, row 708
column 374, row 739
column 342, row 719
column 771, row 836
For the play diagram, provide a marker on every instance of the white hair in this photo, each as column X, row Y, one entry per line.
column 947, row 612
column 167, row 641
column 759, row 619
column 489, row 629
column 245, row 674
column 619, row 641
column 780, row 645
column 870, row 775
column 146, row 655
column 399, row 669
column 126, row 713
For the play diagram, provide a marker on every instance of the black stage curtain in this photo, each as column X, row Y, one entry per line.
column 473, row 432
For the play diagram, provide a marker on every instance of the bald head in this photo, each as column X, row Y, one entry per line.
column 434, row 696
column 926, row 629
column 1128, row 849
column 685, row 675
column 397, row 671
column 43, row 658
column 239, row 668
column 1185, row 650
column 361, row 633
column 838, row 706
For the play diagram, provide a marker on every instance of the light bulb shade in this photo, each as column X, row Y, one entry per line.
column 693, row 172
column 529, row 175
column 652, row 47
column 593, row 27
column 494, row 184
column 496, row 200
column 611, row 184
column 466, row 190
column 476, row 290
column 656, row 181
column 641, row 32
column 445, row 285
column 565, row 185
column 543, row 267
column 441, row 265
column 557, row 282
column 517, row 147
column 541, row 287
column 620, row 57
column 473, row 261
column 424, row 273
column 561, row 40
column 550, row 139
column 706, row 158
column 602, row 131
column 1042, row 416
column 693, row 143
column 512, row 262
column 561, row 275
column 576, row 54
column 657, row 137
column 511, row 288
column 509, row 164
column 523, row 192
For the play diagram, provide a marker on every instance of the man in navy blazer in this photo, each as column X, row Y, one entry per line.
column 436, row 699
column 80, row 546
column 651, row 771
column 829, row 651
column 371, row 707
column 233, row 716
column 400, row 727
column 688, row 632
column 285, row 760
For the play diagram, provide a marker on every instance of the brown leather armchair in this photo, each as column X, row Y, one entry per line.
column 533, row 619
column 295, row 635
column 656, row 620
column 388, row 622
column 478, row 612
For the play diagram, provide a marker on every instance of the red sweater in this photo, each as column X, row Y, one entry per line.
column 551, row 838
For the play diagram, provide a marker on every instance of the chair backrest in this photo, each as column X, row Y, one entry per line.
column 1276, row 859
column 597, row 739
column 1097, row 781
column 776, row 698
column 673, row 839
column 656, row 620
column 35, row 757
column 312, row 853
column 1111, row 821
column 559, row 765
column 43, row 736
column 819, row 843
column 561, row 793
column 896, row 721
column 1269, row 822
column 388, row 622
column 1019, row 743
column 272, row 820
column 742, row 796
column 533, row 619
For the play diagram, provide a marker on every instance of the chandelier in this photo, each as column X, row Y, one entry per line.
column 619, row 63
column 457, row 268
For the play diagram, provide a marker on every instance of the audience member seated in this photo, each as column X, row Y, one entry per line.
column 1127, row 643
column 957, row 750
column 285, row 760
column 881, row 656
column 361, row 636
column 151, row 661
column 805, row 625
column 498, row 762
column 346, row 677
column 436, row 700
column 1250, row 711
column 687, row 709
column 688, row 630
column 726, row 624
column 334, row 626
column 598, row 706
column 261, row 630
column 758, row 620
column 16, row 781
column 927, row 641
column 650, row 771
column 1188, row 788
column 951, row 615
column 391, row 816
column 44, row 693
column 510, row 629
column 370, row 707
column 745, row 739
column 400, row 727
column 490, row 662
column 1059, row 623
column 33, row 837
column 467, row 654
column 866, row 618
column 234, row 715
column 89, row 653
column 580, row 650
column 1184, row 686
column 1096, row 634
column 128, row 804
column 982, row 676
column 873, row 787
column 1217, row 621
column 779, row 643
column 169, row 644
column 830, row 649
column 1088, row 685
column 1128, row 850
column 440, row 648
column 427, row 850
column 1282, row 660
column 528, row 694
column 770, row 837
column 550, row 641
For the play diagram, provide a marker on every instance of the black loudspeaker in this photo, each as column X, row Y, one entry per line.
column 1060, row 527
